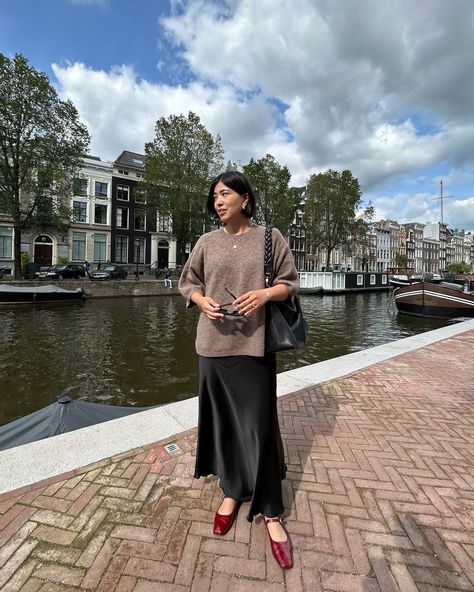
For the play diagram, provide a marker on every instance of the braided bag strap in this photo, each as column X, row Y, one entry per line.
column 268, row 258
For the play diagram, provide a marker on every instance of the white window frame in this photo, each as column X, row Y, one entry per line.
column 122, row 209
column 121, row 188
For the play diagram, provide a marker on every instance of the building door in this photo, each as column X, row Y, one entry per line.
column 163, row 254
column 43, row 250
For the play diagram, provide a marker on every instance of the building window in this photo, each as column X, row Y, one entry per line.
column 121, row 249
column 100, row 247
column 360, row 279
column 140, row 250
column 78, row 246
column 80, row 187
column 79, row 211
column 163, row 223
column 123, row 172
column 140, row 220
column 123, row 192
column 122, row 218
column 100, row 214
column 6, row 235
column 100, row 189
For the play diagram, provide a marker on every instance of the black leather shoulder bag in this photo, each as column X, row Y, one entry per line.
column 285, row 326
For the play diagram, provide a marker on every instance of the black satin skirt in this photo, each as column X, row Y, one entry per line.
column 238, row 433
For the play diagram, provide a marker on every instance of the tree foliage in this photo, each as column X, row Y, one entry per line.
column 182, row 160
column 41, row 142
column 458, row 268
column 401, row 259
column 332, row 215
column 276, row 201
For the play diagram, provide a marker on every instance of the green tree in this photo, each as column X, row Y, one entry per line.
column 401, row 259
column 458, row 268
column 41, row 142
column 276, row 201
column 332, row 215
column 182, row 160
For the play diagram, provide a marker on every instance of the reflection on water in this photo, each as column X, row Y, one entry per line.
column 140, row 351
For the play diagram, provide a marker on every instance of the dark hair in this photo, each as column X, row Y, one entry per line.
column 239, row 183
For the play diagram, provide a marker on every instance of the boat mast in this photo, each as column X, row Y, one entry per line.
column 441, row 198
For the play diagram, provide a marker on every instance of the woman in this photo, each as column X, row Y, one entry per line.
column 238, row 434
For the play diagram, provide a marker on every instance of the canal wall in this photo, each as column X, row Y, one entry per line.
column 110, row 288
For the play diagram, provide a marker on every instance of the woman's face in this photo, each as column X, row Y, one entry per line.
column 229, row 204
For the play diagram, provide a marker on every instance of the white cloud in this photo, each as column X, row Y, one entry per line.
column 385, row 90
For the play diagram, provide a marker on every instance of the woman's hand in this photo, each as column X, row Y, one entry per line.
column 251, row 301
column 209, row 307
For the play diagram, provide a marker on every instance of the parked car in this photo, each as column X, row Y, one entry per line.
column 62, row 272
column 109, row 272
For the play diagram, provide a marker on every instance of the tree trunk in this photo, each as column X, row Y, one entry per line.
column 328, row 259
column 180, row 251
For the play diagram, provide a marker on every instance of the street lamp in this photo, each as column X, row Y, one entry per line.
column 137, row 243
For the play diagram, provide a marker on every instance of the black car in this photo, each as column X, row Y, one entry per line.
column 62, row 272
column 109, row 272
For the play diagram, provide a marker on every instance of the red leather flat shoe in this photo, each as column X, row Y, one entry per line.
column 223, row 522
column 282, row 552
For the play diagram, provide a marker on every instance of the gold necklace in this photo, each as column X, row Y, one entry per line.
column 235, row 244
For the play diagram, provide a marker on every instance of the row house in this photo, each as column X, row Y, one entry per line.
column 89, row 233
column 395, row 243
column 438, row 232
column 414, row 245
column 455, row 247
column 382, row 247
column 43, row 243
column 469, row 249
column 133, row 223
column 140, row 236
column 430, row 255
column 297, row 242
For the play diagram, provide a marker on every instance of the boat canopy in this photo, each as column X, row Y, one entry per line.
column 48, row 289
column 64, row 415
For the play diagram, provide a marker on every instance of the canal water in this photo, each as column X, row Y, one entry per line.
column 140, row 351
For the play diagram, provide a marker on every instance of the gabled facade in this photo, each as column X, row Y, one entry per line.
column 414, row 245
column 131, row 223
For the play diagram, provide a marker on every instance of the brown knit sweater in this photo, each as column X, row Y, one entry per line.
column 215, row 265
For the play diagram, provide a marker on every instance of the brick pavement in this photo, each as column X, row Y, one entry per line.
column 379, row 497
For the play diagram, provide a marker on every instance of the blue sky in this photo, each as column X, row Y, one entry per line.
column 385, row 91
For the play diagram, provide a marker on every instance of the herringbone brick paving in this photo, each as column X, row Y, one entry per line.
column 379, row 497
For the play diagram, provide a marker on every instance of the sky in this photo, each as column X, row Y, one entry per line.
column 384, row 89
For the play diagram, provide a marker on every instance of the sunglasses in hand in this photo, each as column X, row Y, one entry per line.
column 230, row 313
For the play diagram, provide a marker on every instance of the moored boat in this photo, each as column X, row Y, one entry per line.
column 316, row 290
column 444, row 300
column 35, row 294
